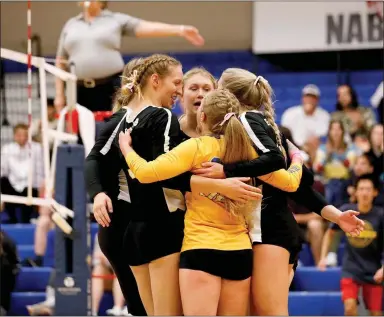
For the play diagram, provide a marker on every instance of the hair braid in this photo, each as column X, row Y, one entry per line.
column 154, row 64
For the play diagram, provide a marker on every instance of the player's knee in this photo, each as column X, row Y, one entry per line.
column 315, row 226
column 350, row 307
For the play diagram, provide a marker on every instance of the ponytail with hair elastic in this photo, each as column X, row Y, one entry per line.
column 254, row 93
column 269, row 112
column 222, row 108
column 237, row 148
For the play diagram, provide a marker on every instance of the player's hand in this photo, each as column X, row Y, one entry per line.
column 322, row 265
column 294, row 152
column 125, row 142
column 210, row 170
column 349, row 223
column 378, row 277
column 236, row 189
column 192, row 35
column 102, row 205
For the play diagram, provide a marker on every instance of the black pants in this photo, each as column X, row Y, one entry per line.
column 7, row 285
column 8, row 270
column 100, row 97
column 26, row 211
column 111, row 241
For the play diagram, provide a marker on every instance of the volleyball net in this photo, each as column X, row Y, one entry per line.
column 24, row 105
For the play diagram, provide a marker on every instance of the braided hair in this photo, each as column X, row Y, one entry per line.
column 135, row 83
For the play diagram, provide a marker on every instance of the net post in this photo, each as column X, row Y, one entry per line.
column 72, row 281
column 44, row 128
column 71, row 99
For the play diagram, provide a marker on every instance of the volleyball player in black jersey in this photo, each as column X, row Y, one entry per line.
column 147, row 241
column 103, row 188
column 276, row 238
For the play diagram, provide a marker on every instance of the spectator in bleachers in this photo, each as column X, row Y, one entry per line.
column 15, row 169
column 376, row 140
column 98, row 32
column 363, row 256
column 305, row 153
column 363, row 165
column 334, row 160
column 361, row 141
column 52, row 124
column 44, row 223
column 101, row 269
column 9, row 268
column 312, row 224
column 307, row 122
column 354, row 116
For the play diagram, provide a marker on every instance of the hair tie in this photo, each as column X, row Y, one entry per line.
column 258, row 78
column 227, row 117
column 131, row 80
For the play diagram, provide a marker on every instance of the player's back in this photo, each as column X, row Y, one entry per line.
column 274, row 220
column 208, row 224
column 153, row 132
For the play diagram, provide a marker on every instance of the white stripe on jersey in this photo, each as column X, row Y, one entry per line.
column 166, row 132
column 107, row 145
column 252, row 134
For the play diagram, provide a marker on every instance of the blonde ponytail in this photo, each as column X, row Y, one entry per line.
column 254, row 93
column 121, row 94
column 237, row 145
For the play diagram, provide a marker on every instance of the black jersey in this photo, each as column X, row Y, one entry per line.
column 103, row 163
column 106, row 169
column 276, row 224
column 154, row 131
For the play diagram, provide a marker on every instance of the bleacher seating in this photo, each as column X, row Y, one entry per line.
column 315, row 304
column 311, row 297
column 310, row 279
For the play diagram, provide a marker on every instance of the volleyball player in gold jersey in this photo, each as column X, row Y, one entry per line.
column 216, row 258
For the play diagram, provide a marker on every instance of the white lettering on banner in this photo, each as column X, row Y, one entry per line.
column 314, row 26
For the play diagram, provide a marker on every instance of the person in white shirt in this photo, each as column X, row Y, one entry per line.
column 15, row 168
column 52, row 124
column 308, row 122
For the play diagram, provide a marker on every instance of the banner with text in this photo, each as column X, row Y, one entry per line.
column 280, row 27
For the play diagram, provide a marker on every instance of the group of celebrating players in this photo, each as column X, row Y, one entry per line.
column 193, row 210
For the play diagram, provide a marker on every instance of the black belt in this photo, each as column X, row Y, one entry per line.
column 92, row 83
